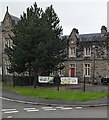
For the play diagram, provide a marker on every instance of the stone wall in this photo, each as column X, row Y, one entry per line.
column 8, row 80
column 99, row 59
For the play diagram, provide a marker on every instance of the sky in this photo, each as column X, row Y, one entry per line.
column 86, row 15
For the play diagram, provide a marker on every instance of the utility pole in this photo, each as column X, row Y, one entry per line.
column 84, row 84
column 93, row 77
column 2, row 53
column 107, row 49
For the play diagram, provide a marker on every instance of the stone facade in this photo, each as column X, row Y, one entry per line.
column 7, row 24
column 88, row 56
column 0, row 51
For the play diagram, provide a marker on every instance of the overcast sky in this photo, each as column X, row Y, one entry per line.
column 86, row 15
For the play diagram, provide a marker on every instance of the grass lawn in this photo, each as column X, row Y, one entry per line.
column 57, row 95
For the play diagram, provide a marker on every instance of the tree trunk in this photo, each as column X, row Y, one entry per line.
column 29, row 76
column 30, row 73
column 13, row 80
column 35, row 83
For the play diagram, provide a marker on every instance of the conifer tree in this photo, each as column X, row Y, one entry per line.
column 38, row 46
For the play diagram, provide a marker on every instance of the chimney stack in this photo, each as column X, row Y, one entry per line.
column 103, row 30
column 7, row 8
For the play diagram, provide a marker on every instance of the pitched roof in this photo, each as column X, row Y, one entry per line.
column 91, row 37
column 16, row 19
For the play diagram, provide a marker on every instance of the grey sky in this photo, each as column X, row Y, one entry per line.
column 86, row 15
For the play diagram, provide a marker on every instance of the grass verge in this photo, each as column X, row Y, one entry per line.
column 57, row 95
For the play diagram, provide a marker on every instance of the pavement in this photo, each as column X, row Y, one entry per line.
column 14, row 97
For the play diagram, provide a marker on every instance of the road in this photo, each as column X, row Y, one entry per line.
column 20, row 110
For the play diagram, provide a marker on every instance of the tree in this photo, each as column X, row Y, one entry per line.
column 27, row 37
column 56, row 44
column 38, row 46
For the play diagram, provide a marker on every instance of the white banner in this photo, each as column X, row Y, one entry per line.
column 69, row 80
column 45, row 79
column 64, row 80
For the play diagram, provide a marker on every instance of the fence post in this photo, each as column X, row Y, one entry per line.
column 84, row 84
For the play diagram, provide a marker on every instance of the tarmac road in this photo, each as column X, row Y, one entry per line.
column 20, row 110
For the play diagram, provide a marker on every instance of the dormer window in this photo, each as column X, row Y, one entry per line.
column 72, row 52
column 87, row 51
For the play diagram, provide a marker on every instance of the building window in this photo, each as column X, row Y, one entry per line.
column 72, row 65
column 87, row 69
column 87, row 51
column 72, row 52
column 6, row 70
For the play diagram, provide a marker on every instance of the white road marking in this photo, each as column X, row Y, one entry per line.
column 11, row 112
column 7, row 110
column 59, row 107
column 36, row 110
column 29, row 108
column 69, row 108
column 47, row 107
column 78, row 107
column 9, row 117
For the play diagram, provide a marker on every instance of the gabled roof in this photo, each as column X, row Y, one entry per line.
column 91, row 37
column 16, row 19
column 13, row 18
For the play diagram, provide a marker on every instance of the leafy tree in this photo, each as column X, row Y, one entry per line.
column 38, row 46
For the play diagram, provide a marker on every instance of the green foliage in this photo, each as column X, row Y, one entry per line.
column 38, row 45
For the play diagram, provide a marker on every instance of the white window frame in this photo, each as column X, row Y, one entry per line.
column 87, row 51
column 72, row 52
column 87, row 69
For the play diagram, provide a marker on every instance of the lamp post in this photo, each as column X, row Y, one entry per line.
column 93, row 75
column 107, row 55
column 2, row 54
column 84, row 88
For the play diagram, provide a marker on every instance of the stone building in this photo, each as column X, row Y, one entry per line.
column 7, row 24
column 0, row 50
column 88, row 56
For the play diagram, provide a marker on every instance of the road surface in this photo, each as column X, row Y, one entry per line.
column 20, row 110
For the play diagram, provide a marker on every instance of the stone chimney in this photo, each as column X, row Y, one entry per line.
column 75, row 31
column 103, row 29
column 7, row 8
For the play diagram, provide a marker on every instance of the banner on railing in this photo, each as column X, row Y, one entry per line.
column 45, row 79
column 64, row 80
column 69, row 80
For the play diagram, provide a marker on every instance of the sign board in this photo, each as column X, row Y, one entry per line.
column 64, row 80
column 69, row 80
column 45, row 79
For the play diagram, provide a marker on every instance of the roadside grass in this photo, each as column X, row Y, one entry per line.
column 57, row 95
